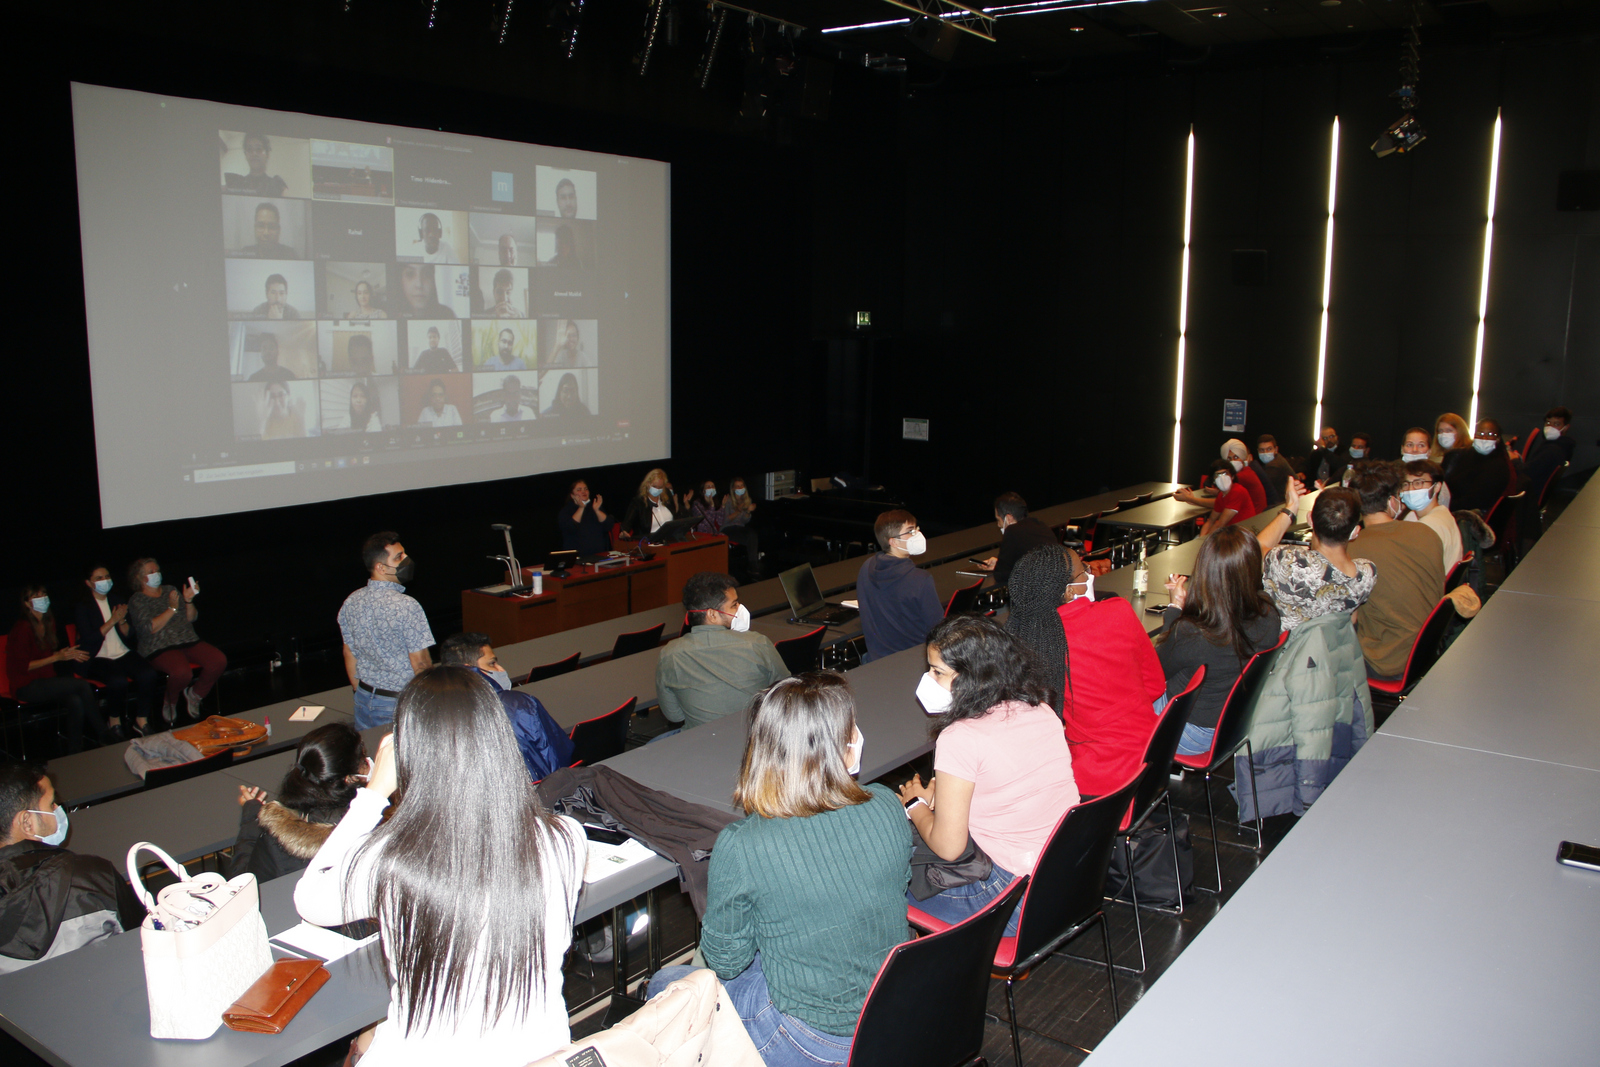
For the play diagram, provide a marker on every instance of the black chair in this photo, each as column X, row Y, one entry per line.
column 1502, row 520
column 637, row 641
column 1065, row 897
column 1544, row 493
column 926, row 1006
column 1079, row 529
column 1425, row 652
column 182, row 772
column 601, row 738
column 963, row 600
column 799, row 654
column 1151, row 789
column 551, row 670
column 1458, row 573
column 1233, row 733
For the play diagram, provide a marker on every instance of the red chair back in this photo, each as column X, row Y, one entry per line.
column 603, row 737
column 1234, row 722
column 1425, row 650
column 799, row 654
column 1151, row 786
column 551, row 670
column 963, row 600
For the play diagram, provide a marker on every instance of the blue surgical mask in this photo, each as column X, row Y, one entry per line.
column 41, row 604
column 739, row 491
column 500, row 678
column 61, row 825
column 103, row 586
column 153, row 579
column 655, row 490
column 1416, row 499
column 710, row 493
column 1483, row 448
column 1357, row 453
column 1266, row 457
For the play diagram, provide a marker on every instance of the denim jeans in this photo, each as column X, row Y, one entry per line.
column 963, row 901
column 1195, row 740
column 373, row 710
column 782, row 1040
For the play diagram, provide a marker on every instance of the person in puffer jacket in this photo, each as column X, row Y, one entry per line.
column 278, row 837
column 51, row 900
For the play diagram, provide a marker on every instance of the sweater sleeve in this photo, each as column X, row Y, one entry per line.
column 1151, row 673
column 320, row 897
column 928, row 602
column 249, row 834
column 777, row 670
column 728, row 931
column 671, row 707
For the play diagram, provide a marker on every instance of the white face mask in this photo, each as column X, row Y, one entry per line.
column 1357, row 453
column 1483, row 448
column 740, row 621
column 1088, row 586
column 1266, row 457
column 59, row 834
column 916, row 544
column 1416, row 499
column 1413, row 457
column 153, row 579
column 1238, row 464
column 1224, row 483
column 1552, row 432
column 855, row 748
column 1446, row 438
column 500, row 678
column 935, row 698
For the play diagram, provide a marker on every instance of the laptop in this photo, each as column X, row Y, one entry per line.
column 806, row 602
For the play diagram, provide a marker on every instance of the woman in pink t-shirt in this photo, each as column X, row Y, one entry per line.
column 1002, row 770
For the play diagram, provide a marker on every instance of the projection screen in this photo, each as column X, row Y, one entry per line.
column 284, row 308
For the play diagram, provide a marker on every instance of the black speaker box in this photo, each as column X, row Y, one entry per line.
column 934, row 36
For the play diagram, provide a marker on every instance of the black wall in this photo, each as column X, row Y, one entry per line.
column 1017, row 241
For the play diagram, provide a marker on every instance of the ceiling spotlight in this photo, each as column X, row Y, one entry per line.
column 1401, row 137
column 1219, row 14
column 1075, row 29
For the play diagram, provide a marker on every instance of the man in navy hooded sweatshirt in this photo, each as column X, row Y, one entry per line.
column 899, row 604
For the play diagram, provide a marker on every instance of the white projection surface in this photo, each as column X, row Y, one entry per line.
column 284, row 308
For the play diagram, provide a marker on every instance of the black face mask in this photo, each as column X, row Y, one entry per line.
column 405, row 571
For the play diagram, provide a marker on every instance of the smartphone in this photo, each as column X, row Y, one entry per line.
column 194, row 586
column 977, row 562
column 1156, row 609
column 600, row 833
column 1575, row 855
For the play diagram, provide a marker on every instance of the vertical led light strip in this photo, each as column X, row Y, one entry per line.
column 1327, row 277
column 1183, row 303
column 1483, row 284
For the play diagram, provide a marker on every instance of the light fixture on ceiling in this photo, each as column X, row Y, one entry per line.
column 1406, row 132
column 1219, row 14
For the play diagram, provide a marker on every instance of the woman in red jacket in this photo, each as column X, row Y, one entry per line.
column 1101, row 668
column 33, row 649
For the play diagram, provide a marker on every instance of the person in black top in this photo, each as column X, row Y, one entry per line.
column 1018, row 533
column 1326, row 464
column 1546, row 451
column 433, row 359
column 585, row 529
column 1481, row 475
column 419, row 295
column 1273, row 470
column 278, row 837
column 257, row 151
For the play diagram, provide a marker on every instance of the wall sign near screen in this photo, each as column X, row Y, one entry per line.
column 1233, row 415
column 306, row 308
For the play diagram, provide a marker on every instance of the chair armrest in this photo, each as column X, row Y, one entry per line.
column 925, row 922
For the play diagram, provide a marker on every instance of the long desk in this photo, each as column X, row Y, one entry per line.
column 1422, row 887
column 1156, row 515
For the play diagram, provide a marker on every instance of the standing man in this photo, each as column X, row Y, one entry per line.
column 1018, row 533
column 1273, row 470
column 899, row 603
column 712, row 671
column 386, row 634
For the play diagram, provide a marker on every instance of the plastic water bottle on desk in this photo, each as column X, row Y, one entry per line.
column 1141, row 573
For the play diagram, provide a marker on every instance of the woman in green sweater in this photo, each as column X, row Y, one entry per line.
column 807, row 894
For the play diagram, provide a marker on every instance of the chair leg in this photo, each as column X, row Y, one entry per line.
column 1250, row 762
column 1133, row 892
column 1111, row 969
column 1177, row 874
column 1216, row 843
column 1011, row 1009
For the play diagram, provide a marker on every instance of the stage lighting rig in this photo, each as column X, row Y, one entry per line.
column 1406, row 132
column 973, row 20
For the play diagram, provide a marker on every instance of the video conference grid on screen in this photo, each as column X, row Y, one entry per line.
column 377, row 300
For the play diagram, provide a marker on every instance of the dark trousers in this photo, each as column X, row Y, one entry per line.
column 76, row 700
column 175, row 663
column 128, row 671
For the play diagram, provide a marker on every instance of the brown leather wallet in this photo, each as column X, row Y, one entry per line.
column 268, row 1005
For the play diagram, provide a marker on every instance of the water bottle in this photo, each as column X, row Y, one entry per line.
column 1141, row 573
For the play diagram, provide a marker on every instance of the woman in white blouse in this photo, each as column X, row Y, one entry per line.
column 472, row 881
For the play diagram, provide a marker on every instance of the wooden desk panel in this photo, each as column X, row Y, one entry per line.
column 591, row 598
column 508, row 620
column 649, row 587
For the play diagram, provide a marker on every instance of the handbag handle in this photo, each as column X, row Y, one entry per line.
column 145, row 897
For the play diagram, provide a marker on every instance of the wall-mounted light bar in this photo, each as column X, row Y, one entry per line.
column 1327, row 276
column 1183, row 304
column 1483, row 283
column 1037, row 7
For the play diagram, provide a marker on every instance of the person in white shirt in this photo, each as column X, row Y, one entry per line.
column 474, row 884
column 436, row 412
column 511, row 408
column 1420, row 492
column 434, row 248
column 106, row 635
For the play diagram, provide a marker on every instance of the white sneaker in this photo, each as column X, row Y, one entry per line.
column 193, row 701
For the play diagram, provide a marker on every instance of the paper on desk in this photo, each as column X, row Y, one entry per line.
column 851, row 604
column 319, row 942
column 307, row 712
column 606, row 860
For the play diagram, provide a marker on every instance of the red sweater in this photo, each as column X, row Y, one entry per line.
column 1252, row 485
column 1115, row 678
column 22, row 648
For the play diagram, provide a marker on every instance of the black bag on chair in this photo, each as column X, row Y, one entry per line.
column 1152, row 863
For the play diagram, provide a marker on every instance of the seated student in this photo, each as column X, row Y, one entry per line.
column 271, row 370
column 365, row 417
column 473, row 883
column 365, row 309
column 418, row 294
column 651, row 507
column 1273, row 470
column 1307, row 582
column 1410, row 564
column 257, row 151
column 1229, row 500
column 737, row 511
column 704, row 506
column 807, row 893
column 435, row 411
column 1097, row 660
column 713, row 670
column 51, row 900
column 1019, row 533
column 1238, row 456
column 899, row 603
column 278, row 837
column 1421, row 484
column 34, row 648
column 585, row 529
column 106, row 636
column 1415, row 445
column 1451, row 436
column 434, row 359
column 545, row 746
column 276, row 305
column 1220, row 620
column 1360, row 446
column 1326, row 464
column 1546, row 450
column 1479, row 477
column 1002, row 769
column 268, row 229
column 510, row 407
column 358, row 356
column 568, row 399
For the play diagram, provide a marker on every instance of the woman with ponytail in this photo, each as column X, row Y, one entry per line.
column 280, row 836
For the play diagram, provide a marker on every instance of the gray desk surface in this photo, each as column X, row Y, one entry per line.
column 590, row 642
column 1421, row 893
column 1156, row 515
column 100, row 774
column 1564, row 563
column 1060, row 513
column 1584, row 510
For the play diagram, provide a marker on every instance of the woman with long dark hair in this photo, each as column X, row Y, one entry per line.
column 106, row 636
column 33, row 650
column 1002, row 770
column 807, row 894
column 472, row 881
column 1221, row 618
column 1097, row 661
column 278, row 837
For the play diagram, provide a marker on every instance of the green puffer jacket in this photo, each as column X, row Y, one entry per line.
column 1311, row 715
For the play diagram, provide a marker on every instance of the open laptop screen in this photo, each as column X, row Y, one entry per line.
column 800, row 586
